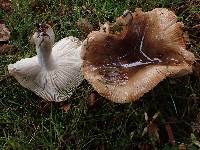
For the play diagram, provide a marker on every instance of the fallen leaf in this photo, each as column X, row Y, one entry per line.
column 62, row 10
column 5, row 5
column 5, row 48
column 84, row 25
column 170, row 133
column 4, row 33
column 66, row 107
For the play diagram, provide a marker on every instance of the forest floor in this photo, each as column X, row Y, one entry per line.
column 170, row 113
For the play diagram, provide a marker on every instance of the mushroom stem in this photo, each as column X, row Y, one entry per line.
column 44, row 55
column 44, row 40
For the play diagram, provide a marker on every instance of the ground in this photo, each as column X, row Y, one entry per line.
column 169, row 113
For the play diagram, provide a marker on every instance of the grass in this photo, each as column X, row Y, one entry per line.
column 25, row 122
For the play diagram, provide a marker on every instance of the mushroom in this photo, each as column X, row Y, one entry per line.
column 123, row 65
column 55, row 71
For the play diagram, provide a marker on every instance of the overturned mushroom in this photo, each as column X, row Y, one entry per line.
column 56, row 70
column 122, row 66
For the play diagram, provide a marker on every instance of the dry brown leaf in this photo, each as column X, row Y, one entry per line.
column 5, row 5
column 4, row 33
column 6, row 48
column 66, row 107
column 62, row 10
column 84, row 25
column 170, row 133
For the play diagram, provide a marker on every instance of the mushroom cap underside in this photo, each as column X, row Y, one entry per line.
column 57, row 84
column 122, row 66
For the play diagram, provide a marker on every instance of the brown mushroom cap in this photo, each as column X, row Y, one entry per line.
column 123, row 66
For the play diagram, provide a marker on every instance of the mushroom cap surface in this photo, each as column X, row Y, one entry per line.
column 124, row 65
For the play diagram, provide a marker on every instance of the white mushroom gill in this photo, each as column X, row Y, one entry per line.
column 55, row 71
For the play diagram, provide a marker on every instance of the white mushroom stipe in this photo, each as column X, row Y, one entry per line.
column 55, row 71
